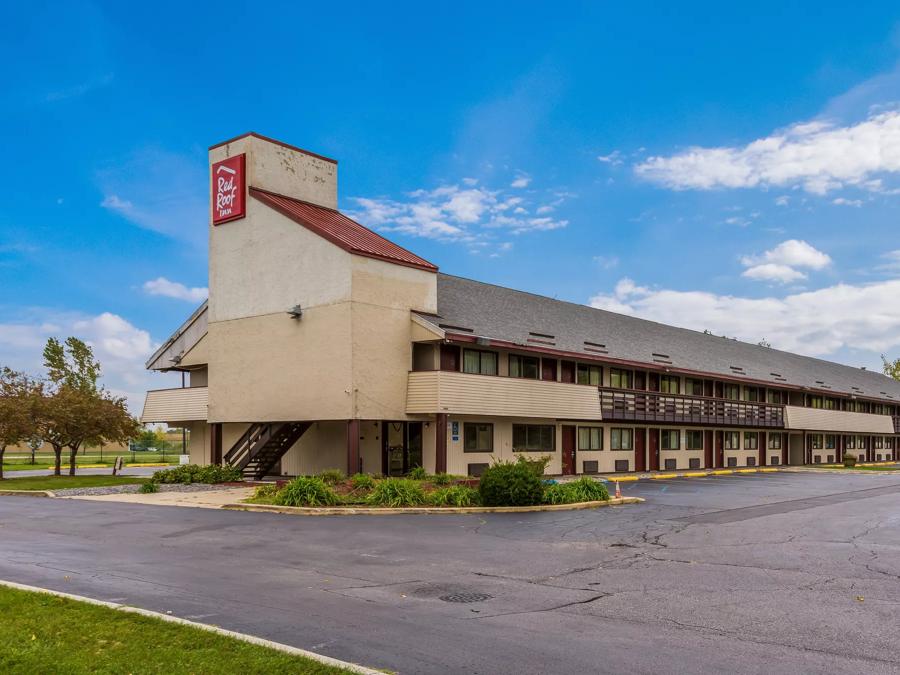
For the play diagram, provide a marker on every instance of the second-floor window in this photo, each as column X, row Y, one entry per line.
column 524, row 366
column 592, row 375
column 479, row 362
column 620, row 379
column 534, row 438
column 732, row 392
column 693, row 387
column 732, row 440
column 668, row 384
column 621, row 439
column 694, row 440
column 670, row 439
column 773, row 396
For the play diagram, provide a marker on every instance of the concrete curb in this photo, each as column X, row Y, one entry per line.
column 687, row 474
column 26, row 493
column 423, row 510
column 243, row 637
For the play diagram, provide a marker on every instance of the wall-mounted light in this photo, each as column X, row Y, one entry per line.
column 295, row 312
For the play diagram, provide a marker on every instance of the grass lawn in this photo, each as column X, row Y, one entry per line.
column 46, row 634
column 62, row 482
column 887, row 467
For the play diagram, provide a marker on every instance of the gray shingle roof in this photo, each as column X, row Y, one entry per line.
column 513, row 316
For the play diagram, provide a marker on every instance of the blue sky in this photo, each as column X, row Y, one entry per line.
column 701, row 165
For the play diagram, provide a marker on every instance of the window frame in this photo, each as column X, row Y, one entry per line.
column 590, row 430
column 729, row 436
column 668, row 380
column 774, row 437
column 521, row 359
column 751, row 440
column 481, row 353
column 667, row 434
column 467, row 426
column 543, row 428
column 622, row 432
column 687, row 439
column 590, row 367
column 620, row 372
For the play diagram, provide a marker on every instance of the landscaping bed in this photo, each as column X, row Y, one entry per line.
column 518, row 484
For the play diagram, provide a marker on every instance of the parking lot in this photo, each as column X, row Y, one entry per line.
column 783, row 572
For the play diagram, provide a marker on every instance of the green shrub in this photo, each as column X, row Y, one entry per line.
column 589, row 490
column 417, row 473
column 537, row 464
column 849, row 460
column 149, row 487
column 193, row 473
column 456, row 495
column 559, row 493
column 511, row 484
column 332, row 476
column 265, row 491
column 442, row 479
column 362, row 481
column 396, row 492
column 306, row 491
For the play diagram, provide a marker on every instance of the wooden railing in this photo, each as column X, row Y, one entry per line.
column 630, row 405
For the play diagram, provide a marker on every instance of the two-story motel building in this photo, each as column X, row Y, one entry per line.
column 324, row 345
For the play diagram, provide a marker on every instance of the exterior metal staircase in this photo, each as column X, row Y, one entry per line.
column 262, row 445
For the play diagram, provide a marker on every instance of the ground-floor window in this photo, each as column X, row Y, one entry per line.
column 732, row 440
column 478, row 437
column 830, row 441
column 851, row 442
column 751, row 440
column 669, row 439
column 879, row 443
column 774, row 441
column 694, row 440
column 590, row 438
column 816, row 441
column 621, row 439
column 534, row 438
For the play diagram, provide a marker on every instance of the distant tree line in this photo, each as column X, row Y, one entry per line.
column 67, row 408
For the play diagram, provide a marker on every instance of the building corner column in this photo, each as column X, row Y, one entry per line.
column 440, row 443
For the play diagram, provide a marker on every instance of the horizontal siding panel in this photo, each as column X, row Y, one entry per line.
column 188, row 404
column 464, row 394
column 816, row 419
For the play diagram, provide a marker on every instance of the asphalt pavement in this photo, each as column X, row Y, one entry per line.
column 765, row 573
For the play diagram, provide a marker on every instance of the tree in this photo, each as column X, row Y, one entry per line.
column 76, row 411
column 18, row 398
column 891, row 368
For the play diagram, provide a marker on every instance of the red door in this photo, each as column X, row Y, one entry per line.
column 450, row 357
column 567, row 372
column 785, row 439
column 654, row 449
column 762, row 448
column 568, row 450
column 708, row 449
column 640, row 462
column 548, row 370
column 720, row 449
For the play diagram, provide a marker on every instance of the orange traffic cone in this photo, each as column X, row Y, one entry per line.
column 618, row 491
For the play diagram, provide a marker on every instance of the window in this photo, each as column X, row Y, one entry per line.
column 733, row 392
column 590, row 438
column 816, row 440
column 694, row 440
column 830, row 404
column 732, row 440
column 524, row 366
column 621, row 379
column 534, row 438
column 751, row 394
column 775, row 441
column 830, row 442
column 879, row 443
column 751, row 440
column 860, row 442
column 478, row 437
column 621, row 439
column 693, row 387
column 670, row 439
column 479, row 362
column 815, row 402
column 592, row 375
column 773, row 396
column 668, row 384
column 851, row 442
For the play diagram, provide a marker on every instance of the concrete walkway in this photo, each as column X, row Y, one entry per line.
column 208, row 499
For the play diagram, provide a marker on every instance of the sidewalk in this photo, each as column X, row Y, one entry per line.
column 209, row 499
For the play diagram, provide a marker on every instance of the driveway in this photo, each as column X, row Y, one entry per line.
column 742, row 574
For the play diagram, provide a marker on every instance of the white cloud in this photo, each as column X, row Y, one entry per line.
column 521, row 181
column 840, row 201
column 613, row 158
column 773, row 272
column 780, row 263
column 816, row 323
column 460, row 212
column 607, row 262
column 817, row 156
column 120, row 346
column 173, row 289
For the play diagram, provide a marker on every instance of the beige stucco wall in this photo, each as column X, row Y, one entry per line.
column 199, row 443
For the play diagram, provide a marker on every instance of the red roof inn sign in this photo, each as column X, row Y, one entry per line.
column 228, row 189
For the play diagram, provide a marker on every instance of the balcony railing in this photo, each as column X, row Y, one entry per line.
column 629, row 405
column 897, row 424
column 184, row 404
